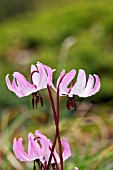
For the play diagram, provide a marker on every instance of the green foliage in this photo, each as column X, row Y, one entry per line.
column 13, row 7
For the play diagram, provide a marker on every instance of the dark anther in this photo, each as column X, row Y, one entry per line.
column 36, row 99
column 34, row 166
column 71, row 103
column 33, row 102
column 41, row 101
column 40, row 165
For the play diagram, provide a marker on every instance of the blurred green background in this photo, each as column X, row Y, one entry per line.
column 64, row 35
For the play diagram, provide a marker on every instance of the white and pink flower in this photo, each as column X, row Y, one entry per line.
column 41, row 76
column 81, row 88
column 39, row 148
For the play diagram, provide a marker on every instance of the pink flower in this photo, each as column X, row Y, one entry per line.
column 81, row 88
column 41, row 75
column 39, row 149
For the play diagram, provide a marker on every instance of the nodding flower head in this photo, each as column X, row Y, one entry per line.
column 41, row 76
column 81, row 88
column 39, row 148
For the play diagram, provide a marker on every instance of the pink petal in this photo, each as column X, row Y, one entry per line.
column 20, row 86
column 24, row 87
column 9, row 85
column 67, row 152
column 33, row 68
column 60, row 77
column 78, row 88
column 19, row 150
column 13, row 86
column 65, row 82
column 35, row 76
column 44, row 142
column 49, row 73
column 34, row 149
column 96, row 87
column 42, row 77
column 58, row 80
column 88, row 87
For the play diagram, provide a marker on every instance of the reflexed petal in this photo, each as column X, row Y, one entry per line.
column 44, row 141
column 58, row 80
column 65, row 82
column 20, row 86
column 12, row 87
column 97, row 85
column 45, row 144
column 34, row 149
column 9, row 85
column 88, row 87
column 49, row 73
column 35, row 75
column 19, row 150
column 24, row 87
column 80, row 84
column 60, row 77
column 67, row 153
column 33, row 68
column 42, row 78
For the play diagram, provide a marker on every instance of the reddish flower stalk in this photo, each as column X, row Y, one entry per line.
column 59, row 140
column 52, row 105
column 56, row 123
column 54, row 159
column 56, row 119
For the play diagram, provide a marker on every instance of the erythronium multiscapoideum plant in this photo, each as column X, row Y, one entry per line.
column 40, row 149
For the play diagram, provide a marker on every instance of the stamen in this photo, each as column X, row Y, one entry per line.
column 41, row 101
column 34, row 167
column 71, row 103
column 39, row 164
column 36, row 99
column 33, row 101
